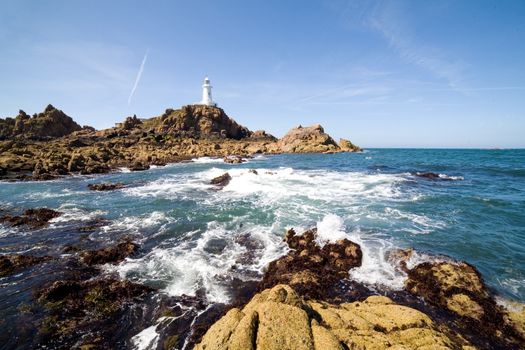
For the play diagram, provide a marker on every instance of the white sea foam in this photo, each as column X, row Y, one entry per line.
column 135, row 224
column 192, row 266
column 207, row 160
column 71, row 213
column 147, row 339
column 298, row 198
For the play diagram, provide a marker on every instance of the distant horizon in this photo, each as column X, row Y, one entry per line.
column 391, row 74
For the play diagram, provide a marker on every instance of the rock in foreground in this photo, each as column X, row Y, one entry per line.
column 278, row 318
column 310, row 269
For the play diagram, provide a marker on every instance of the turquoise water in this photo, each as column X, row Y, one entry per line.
column 195, row 238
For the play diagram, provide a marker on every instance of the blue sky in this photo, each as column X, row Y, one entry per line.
column 381, row 73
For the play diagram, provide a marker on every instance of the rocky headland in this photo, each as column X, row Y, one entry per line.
column 50, row 144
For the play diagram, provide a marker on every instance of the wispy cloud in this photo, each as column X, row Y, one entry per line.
column 391, row 20
column 139, row 75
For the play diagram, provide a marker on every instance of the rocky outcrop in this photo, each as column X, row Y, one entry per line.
column 310, row 139
column 11, row 263
column 459, row 288
column 112, row 254
column 279, row 318
column 177, row 135
column 221, row 180
column 348, row 146
column 48, row 124
column 200, row 121
column 33, row 218
column 310, row 269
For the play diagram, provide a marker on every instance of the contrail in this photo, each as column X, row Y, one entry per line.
column 139, row 74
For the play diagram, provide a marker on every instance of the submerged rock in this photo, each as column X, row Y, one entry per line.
column 85, row 314
column 106, row 186
column 222, row 180
column 11, row 263
column 433, row 176
column 279, row 318
column 113, row 254
column 34, row 218
column 310, row 269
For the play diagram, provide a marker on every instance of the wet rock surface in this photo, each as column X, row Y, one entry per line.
column 11, row 263
column 106, row 186
column 222, row 180
column 32, row 218
column 311, row 270
column 112, row 254
column 459, row 288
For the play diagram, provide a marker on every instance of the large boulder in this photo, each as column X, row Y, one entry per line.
column 307, row 139
column 278, row 318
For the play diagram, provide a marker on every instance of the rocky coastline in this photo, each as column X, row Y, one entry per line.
column 50, row 144
column 306, row 299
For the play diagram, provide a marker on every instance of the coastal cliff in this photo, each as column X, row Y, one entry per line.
column 51, row 144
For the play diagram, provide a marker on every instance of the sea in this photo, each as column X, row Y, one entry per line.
column 191, row 233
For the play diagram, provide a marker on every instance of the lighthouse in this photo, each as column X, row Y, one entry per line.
column 206, row 94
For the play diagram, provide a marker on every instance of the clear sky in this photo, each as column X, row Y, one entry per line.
column 381, row 73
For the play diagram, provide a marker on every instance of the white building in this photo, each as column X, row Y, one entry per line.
column 206, row 94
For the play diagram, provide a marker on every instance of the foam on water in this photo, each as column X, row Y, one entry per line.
column 205, row 262
column 146, row 339
column 298, row 198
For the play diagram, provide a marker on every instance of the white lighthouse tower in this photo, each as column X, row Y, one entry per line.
column 206, row 94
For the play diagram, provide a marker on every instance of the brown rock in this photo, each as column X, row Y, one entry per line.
column 34, row 218
column 113, row 254
column 310, row 269
column 285, row 321
column 306, row 140
column 10, row 263
column 222, row 180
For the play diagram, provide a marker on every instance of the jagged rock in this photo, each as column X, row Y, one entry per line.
column 348, row 146
column 50, row 123
column 10, row 263
column 34, row 218
column 201, row 122
column 459, row 288
column 113, row 254
column 278, row 318
column 222, row 180
column 253, row 171
column 106, row 186
column 131, row 123
column 306, row 140
column 310, row 269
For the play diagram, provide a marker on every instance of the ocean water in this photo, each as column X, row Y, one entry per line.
column 195, row 238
